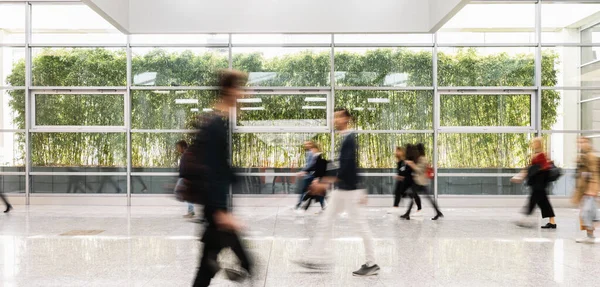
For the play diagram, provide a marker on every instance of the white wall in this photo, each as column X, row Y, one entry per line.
column 440, row 11
column 278, row 16
column 114, row 11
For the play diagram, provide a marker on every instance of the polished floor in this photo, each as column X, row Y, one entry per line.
column 152, row 246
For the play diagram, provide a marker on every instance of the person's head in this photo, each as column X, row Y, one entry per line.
column 308, row 145
column 230, row 86
column 400, row 153
column 421, row 149
column 181, row 146
column 584, row 144
column 537, row 144
column 341, row 119
column 411, row 152
column 315, row 148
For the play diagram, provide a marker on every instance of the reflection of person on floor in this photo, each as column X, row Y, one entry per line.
column 144, row 187
column 181, row 146
column 3, row 197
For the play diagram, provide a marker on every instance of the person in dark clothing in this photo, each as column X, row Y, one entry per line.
column 3, row 198
column 221, row 226
column 421, row 181
column 304, row 176
column 404, row 180
column 317, row 171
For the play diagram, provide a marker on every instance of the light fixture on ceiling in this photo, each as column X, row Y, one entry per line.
column 161, row 92
column 315, row 99
column 379, row 100
column 186, row 101
column 250, row 100
column 252, row 108
column 194, row 110
column 314, row 107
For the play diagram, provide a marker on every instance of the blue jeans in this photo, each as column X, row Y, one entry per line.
column 304, row 184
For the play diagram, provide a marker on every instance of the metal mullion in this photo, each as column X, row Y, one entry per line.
column 267, row 174
column 76, row 129
column 76, row 45
column 476, row 174
column 376, row 174
column 589, row 100
column 289, row 45
column 78, row 90
column 471, row 89
column 128, row 111
column 571, row 45
column 571, row 88
column 436, row 113
column 538, row 68
column 11, row 45
column 77, row 194
column 172, row 88
column 163, row 174
column 570, row 131
column 289, row 90
column 365, row 88
column 9, row 88
column 158, row 131
column 487, row 45
column 12, row 130
column 384, row 45
column 28, row 119
column 393, row 131
column 274, row 130
column 181, row 45
column 17, row 173
column 83, row 173
column 486, row 130
column 331, row 103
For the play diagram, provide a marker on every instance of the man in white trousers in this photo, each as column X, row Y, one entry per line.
column 345, row 197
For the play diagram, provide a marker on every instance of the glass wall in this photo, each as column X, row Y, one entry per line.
column 87, row 109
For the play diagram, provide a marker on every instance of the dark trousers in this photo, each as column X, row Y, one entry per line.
column 214, row 241
column 400, row 192
column 3, row 197
column 304, row 184
column 320, row 199
column 540, row 198
column 425, row 191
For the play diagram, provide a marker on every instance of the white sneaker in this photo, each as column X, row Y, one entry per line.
column 588, row 240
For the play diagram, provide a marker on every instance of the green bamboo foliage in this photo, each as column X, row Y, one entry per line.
column 404, row 110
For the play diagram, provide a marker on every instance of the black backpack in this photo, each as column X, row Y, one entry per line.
column 192, row 169
column 554, row 173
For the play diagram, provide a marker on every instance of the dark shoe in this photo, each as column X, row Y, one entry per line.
column 438, row 216
column 405, row 216
column 8, row 208
column 549, row 226
column 366, row 270
column 236, row 275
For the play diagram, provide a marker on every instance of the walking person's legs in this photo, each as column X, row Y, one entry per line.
column 8, row 206
column 356, row 214
column 546, row 208
column 208, row 260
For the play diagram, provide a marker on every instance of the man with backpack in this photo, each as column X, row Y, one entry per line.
column 212, row 181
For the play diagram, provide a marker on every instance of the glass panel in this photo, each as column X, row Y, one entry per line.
column 378, row 184
column 12, row 184
column 289, row 67
column 78, row 184
column 562, row 149
column 376, row 151
column 12, row 151
column 562, row 110
column 563, row 21
column 71, row 24
column 156, row 152
column 275, row 152
column 371, row 110
column 206, row 39
column 178, row 66
column 271, row 39
column 267, row 184
column 153, row 184
column 487, row 23
column 487, row 153
column 591, row 35
column 12, row 109
column 391, row 67
column 169, row 109
column 70, row 152
column 570, row 66
column 79, row 110
column 79, row 67
column 12, row 23
column 286, row 110
column 486, row 66
column 485, row 110
column 383, row 38
column 480, row 185
column 12, row 66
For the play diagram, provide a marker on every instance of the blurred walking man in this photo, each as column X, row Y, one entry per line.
column 222, row 227
column 346, row 197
